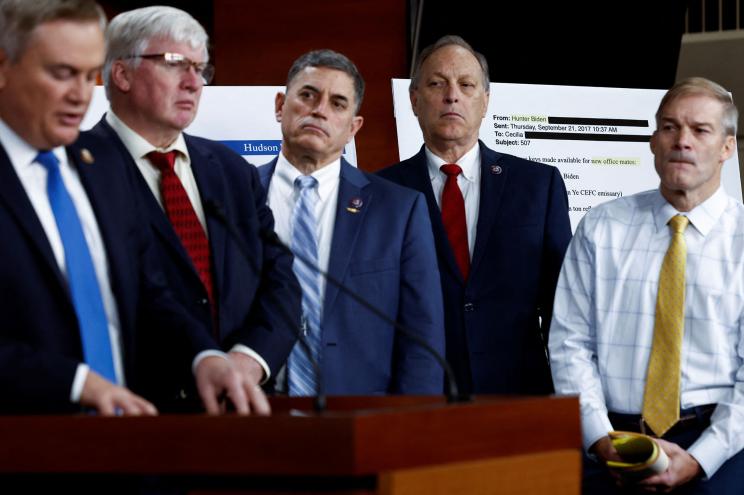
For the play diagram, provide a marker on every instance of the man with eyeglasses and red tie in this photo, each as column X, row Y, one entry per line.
column 204, row 203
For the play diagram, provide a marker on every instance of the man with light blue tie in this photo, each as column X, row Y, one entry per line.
column 372, row 235
column 75, row 272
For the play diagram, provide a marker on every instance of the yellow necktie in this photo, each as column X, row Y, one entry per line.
column 661, row 399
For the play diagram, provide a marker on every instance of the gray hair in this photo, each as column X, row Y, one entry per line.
column 703, row 86
column 449, row 40
column 18, row 18
column 331, row 60
column 129, row 33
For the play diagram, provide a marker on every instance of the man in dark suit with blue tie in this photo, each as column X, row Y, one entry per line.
column 203, row 202
column 500, row 223
column 76, row 273
column 370, row 234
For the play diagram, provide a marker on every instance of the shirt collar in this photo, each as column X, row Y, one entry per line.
column 138, row 146
column 703, row 217
column 469, row 163
column 327, row 176
column 20, row 153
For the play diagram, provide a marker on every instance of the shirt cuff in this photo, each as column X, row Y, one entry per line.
column 244, row 349
column 594, row 426
column 203, row 355
column 78, row 383
column 709, row 453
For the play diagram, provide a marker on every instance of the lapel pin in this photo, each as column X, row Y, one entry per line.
column 496, row 170
column 355, row 205
column 86, row 156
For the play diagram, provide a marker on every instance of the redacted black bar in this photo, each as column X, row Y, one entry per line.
column 577, row 136
column 591, row 121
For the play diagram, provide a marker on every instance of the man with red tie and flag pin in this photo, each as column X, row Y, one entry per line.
column 500, row 225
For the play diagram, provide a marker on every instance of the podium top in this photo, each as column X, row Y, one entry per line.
column 355, row 436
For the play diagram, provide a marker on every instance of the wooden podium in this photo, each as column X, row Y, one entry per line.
column 383, row 445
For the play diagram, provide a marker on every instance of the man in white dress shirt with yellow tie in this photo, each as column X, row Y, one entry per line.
column 648, row 322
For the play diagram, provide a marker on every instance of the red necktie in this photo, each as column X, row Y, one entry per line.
column 183, row 218
column 453, row 217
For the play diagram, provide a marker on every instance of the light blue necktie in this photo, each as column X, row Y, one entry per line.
column 81, row 276
column 301, row 375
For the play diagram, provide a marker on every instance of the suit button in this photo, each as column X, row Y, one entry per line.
column 203, row 301
column 469, row 307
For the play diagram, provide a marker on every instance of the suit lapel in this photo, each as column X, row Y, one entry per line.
column 17, row 202
column 494, row 174
column 421, row 181
column 351, row 189
column 265, row 172
column 211, row 187
column 95, row 180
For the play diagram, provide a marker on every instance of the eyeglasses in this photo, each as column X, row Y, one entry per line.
column 180, row 62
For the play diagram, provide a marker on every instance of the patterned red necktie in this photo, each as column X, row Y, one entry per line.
column 183, row 219
column 453, row 217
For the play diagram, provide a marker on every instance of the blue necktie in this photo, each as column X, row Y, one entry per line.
column 301, row 375
column 81, row 276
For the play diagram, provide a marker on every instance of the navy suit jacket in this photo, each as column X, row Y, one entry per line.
column 257, row 293
column 497, row 321
column 40, row 345
column 385, row 253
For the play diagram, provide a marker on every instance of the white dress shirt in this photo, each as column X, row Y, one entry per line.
column 603, row 317
column 469, row 181
column 138, row 148
column 282, row 197
column 33, row 177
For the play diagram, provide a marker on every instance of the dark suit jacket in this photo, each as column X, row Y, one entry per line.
column 258, row 295
column 40, row 345
column 497, row 321
column 385, row 253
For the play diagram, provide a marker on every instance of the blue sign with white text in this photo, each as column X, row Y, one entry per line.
column 254, row 147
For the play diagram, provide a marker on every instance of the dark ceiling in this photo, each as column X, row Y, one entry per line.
column 630, row 43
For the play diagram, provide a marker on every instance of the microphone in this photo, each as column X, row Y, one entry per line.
column 453, row 394
column 214, row 208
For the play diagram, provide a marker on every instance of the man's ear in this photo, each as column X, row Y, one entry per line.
column 4, row 67
column 485, row 104
column 279, row 105
column 729, row 145
column 356, row 124
column 121, row 76
column 652, row 142
column 413, row 95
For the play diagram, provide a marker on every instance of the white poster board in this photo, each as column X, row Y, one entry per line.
column 597, row 137
column 242, row 117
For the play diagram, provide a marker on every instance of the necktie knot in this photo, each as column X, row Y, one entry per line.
column 163, row 161
column 679, row 223
column 451, row 170
column 303, row 182
column 48, row 160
